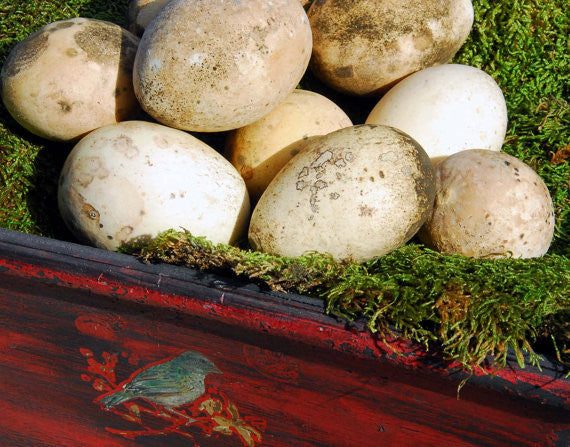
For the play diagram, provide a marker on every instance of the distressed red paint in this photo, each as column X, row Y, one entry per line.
column 274, row 365
column 312, row 380
column 359, row 343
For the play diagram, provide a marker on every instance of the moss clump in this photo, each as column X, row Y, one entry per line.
column 302, row 275
column 470, row 308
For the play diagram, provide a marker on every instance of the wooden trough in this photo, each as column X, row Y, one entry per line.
column 80, row 324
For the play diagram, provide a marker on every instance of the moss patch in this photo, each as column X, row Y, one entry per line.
column 467, row 308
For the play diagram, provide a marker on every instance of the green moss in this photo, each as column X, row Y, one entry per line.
column 465, row 308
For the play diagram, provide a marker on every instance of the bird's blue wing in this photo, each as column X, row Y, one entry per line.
column 162, row 379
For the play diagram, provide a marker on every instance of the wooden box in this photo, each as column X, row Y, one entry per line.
column 98, row 349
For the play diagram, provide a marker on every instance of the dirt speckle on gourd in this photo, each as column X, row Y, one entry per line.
column 64, row 106
column 345, row 72
column 124, row 233
column 90, row 212
column 103, row 42
column 59, row 25
column 366, row 211
column 25, row 53
column 71, row 52
column 125, row 145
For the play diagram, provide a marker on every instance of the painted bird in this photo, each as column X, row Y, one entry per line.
column 171, row 384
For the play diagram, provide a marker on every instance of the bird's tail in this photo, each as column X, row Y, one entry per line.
column 110, row 400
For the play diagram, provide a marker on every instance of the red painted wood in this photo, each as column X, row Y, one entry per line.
column 296, row 376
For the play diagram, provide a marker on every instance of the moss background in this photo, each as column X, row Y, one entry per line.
column 465, row 308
